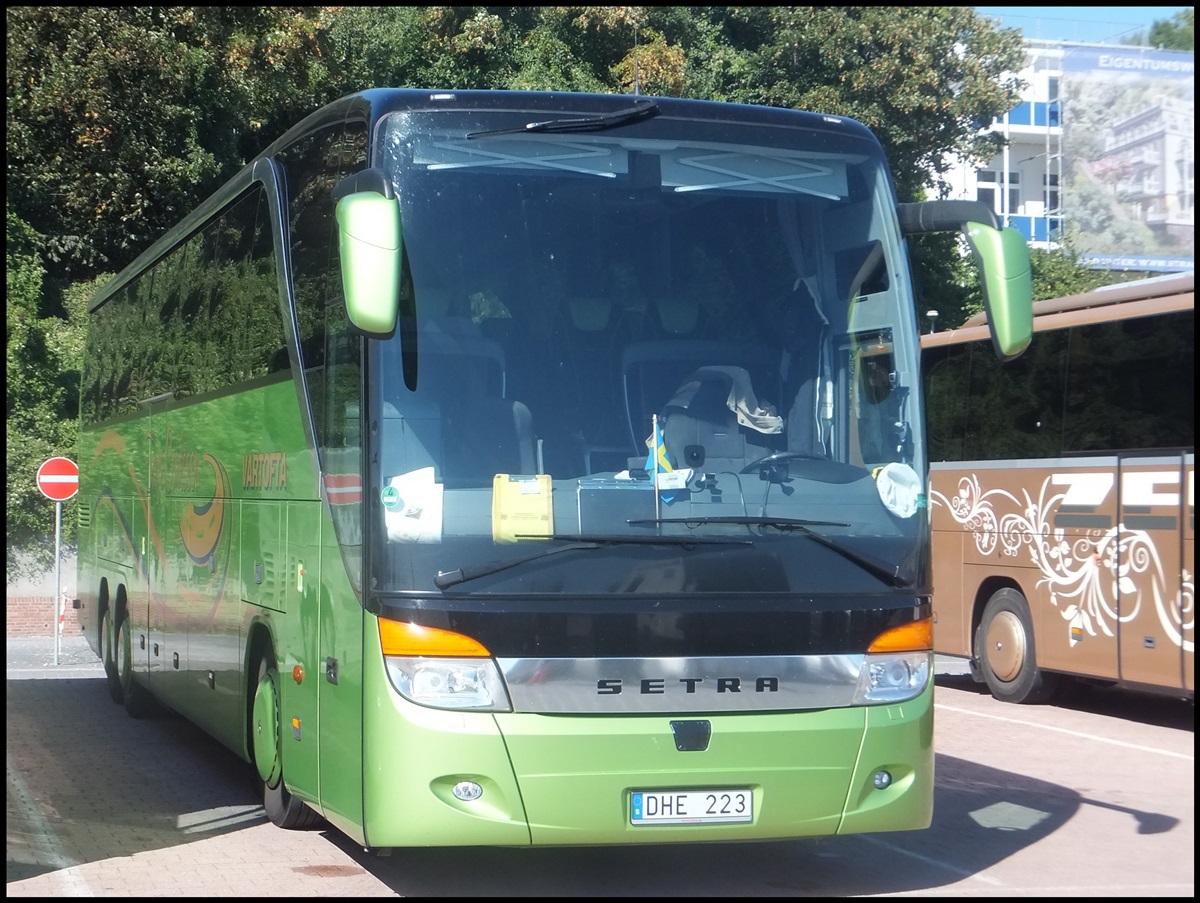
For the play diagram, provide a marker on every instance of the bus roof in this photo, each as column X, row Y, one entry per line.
column 1121, row 301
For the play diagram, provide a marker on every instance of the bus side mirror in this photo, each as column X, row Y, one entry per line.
column 1006, row 276
column 1005, row 273
column 369, row 240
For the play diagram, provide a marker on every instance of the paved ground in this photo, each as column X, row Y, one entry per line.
column 91, row 814
column 34, row 657
column 1053, row 801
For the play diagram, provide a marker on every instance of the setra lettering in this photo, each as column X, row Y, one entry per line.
column 658, row 686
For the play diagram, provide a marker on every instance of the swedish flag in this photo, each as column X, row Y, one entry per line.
column 665, row 465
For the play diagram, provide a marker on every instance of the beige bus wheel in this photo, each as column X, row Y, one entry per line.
column 1004, row 646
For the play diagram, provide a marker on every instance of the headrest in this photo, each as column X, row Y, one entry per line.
column 678, row 315
column 590, row 314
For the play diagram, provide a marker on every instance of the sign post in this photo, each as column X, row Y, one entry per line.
column 58, row 480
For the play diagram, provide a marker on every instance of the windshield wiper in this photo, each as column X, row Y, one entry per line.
column 447, row 579
column 644, row 109
column 782, row 523
column 889, row 574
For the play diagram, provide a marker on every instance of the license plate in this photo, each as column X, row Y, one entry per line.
column 691, row 807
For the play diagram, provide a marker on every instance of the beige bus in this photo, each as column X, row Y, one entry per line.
column 1062, row 497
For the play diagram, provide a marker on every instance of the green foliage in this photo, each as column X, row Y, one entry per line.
column 39, row 421
column 1176, row 33
column 944, row 279
column 925, row 79
column 1057, row 274
column 121, row 119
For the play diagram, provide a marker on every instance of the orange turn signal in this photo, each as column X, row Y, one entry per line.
column 403, row 638
column 916, row 636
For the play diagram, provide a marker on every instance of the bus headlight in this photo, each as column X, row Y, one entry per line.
column 893, row 677
column 440, row 668
column 449, row 683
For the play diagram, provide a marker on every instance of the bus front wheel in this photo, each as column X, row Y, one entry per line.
column 1004, row 645
column 281, row 807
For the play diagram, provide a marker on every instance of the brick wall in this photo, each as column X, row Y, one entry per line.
column 33, row 616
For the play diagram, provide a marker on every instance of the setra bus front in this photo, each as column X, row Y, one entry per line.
column 645, row 555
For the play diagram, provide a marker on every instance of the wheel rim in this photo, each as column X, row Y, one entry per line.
column 1006, row 646
column 124, row 654
column 266, row 729
column 106, row 642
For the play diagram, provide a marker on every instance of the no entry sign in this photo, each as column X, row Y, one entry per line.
column 58, row 479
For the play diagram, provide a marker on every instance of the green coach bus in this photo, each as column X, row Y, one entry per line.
column 500, row 468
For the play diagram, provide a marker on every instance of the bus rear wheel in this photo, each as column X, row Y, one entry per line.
column 283, row 809
column 137, row 699
column 1005, row 647
column 108, row 653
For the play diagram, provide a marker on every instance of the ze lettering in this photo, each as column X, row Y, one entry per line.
column 1086, row 492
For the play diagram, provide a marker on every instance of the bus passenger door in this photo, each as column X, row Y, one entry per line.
column 1187, row 603
column 1155, row 512
column 297, row 641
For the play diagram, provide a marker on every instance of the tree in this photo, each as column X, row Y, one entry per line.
column 1059, row 273
column 38, row 423
column 924, row 79
column 1176, row 33
column 120, row 119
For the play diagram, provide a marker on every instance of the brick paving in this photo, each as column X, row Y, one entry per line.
column 101, row 805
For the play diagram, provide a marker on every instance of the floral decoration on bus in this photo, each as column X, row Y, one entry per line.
column 1086, row 574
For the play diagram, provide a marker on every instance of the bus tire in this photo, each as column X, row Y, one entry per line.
column 108, row 653
column 136, row 698
column 283, row 809
column 1004, row 646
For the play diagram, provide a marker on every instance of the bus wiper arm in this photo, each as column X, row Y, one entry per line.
column 783, row 523
column 577, row 542
column 889, row 574
column 644, row 109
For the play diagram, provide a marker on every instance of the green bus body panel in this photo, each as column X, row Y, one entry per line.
column 413, row 756
column 296, row 646
column 222, row 495
column 342, row 706
column 189, row 516
column 551, row 780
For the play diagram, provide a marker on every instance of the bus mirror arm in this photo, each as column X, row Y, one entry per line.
column 366, row 180
column 944, row 216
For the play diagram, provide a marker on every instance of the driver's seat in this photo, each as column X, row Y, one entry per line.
column 701, row 428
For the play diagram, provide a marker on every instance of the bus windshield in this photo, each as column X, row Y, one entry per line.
column 655, row 337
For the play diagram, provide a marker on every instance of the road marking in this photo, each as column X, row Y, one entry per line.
column 1071, row 890
column 43, row 840
column 1070, row 733
column 938, row 863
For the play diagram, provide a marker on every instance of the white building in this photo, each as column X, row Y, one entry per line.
column 1102, row 144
